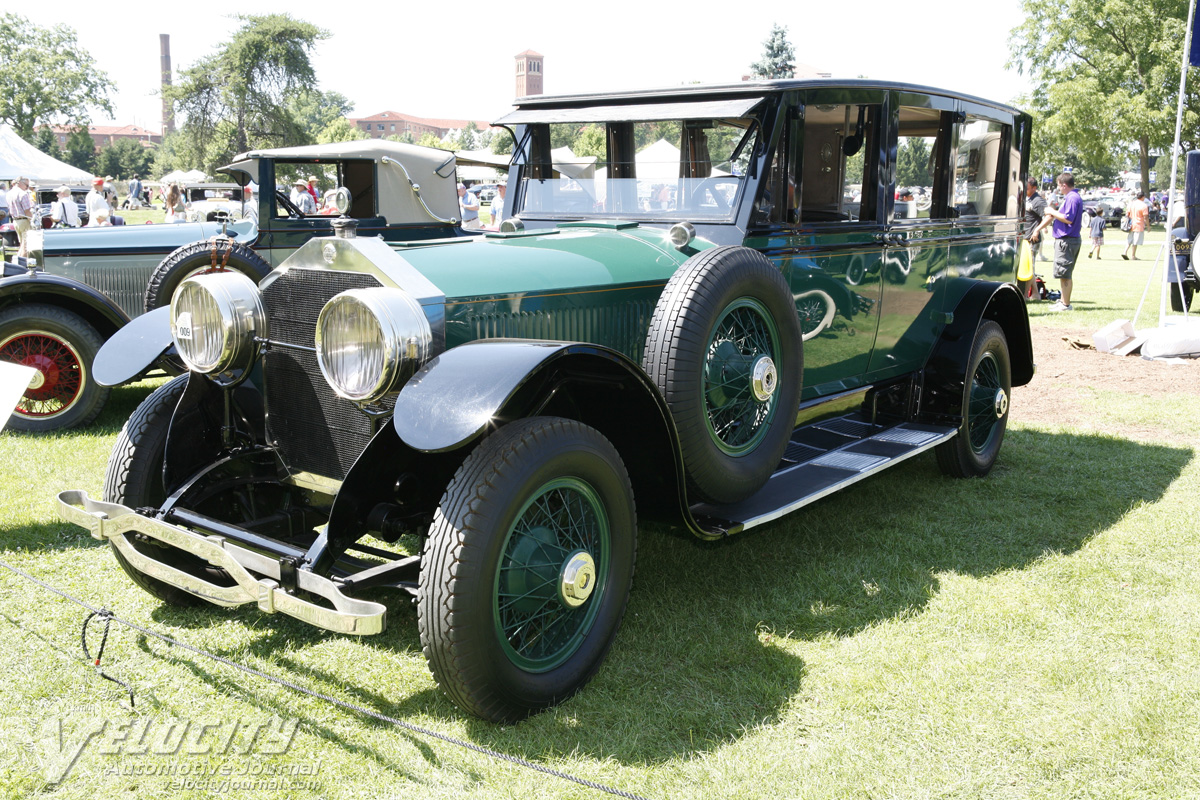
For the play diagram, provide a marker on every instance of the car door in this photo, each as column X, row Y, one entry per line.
column 827, row 231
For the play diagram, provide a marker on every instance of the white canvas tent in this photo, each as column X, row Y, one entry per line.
column 179, row 176
column 19, row 158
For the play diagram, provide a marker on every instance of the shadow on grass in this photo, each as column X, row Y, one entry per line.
column 694, row 666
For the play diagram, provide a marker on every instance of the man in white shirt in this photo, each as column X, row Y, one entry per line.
column 301, row 199
column 20, row 210
column 95, row 202
column 65, row 211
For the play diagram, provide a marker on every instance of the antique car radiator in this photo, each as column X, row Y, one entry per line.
column 314, row 430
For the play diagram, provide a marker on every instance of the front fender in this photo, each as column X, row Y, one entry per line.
column 90, row 303
column 134, row 348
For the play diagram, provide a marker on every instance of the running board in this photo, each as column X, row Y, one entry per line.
column 821, row 459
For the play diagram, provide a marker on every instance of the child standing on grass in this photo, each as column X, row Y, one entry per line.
column 1097, row 228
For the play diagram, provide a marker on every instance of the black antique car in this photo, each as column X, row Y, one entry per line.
column 723, row 319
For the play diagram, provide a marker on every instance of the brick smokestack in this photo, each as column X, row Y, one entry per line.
column 168, row 109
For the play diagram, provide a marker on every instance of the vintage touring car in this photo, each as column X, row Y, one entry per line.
column 723, row 318
column 86, row 283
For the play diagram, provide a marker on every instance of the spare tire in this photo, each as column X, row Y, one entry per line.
column 725, row 347
column 217, row 254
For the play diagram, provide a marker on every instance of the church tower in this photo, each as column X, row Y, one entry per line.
column 529, row 73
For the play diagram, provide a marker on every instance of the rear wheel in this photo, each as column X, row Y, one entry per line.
column 987, row 389
column 61, row 346
column 527, row 569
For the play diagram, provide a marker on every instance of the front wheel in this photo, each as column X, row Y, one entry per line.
column 527, row 568
column 61, row 346
column 987, row 389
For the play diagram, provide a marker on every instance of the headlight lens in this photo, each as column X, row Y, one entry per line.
column 214, row 321
column 369, row 341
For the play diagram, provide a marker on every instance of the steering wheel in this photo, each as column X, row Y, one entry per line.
column 287, row 204
column 708, row 188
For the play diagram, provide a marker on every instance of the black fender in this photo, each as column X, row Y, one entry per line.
column 473, row 389
column 134, row 348
column 946, row 368
column 101, row 312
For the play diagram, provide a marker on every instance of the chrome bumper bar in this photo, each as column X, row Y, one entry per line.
column 111, row 521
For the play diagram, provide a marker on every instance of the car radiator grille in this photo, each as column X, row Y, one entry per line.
column 314, row 430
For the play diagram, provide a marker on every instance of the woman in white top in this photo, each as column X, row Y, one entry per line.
column 65, row 211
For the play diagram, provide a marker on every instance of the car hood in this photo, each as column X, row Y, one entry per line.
column 567, row 258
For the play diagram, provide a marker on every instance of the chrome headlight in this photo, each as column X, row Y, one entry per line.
column 369, row 341
column 214, row 321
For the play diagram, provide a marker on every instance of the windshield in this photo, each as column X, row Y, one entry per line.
column 663, row 170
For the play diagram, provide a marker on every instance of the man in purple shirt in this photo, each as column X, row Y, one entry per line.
column 1066, row 220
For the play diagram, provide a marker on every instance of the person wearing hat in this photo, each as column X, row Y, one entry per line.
column 301, row 199
column 468, row 203
column 65, row 211
column 20, row 210
column 95, row 202
column 312, row 189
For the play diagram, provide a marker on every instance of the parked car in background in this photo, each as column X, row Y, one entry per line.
column 484, row 191
column 502, row 408
column 213, row 202
column 87, row 283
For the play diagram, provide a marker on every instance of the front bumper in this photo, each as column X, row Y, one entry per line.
column 256, row 576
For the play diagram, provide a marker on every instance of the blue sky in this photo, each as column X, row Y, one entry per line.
column 419, row 59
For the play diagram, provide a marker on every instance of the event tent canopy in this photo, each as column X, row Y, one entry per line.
column 19, row 158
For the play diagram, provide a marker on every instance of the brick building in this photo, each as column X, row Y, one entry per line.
column 393, row 123
column 104, row 135
column 529, row 73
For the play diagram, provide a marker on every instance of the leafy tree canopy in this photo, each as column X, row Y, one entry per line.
column 47, row 142
column 1104, row 75
column 341, row 130
column 315, row 111
column 46, row 77
column 124, row 158
column 778, row 58
column 81, row 149
column 237, row 98
column 912, row 163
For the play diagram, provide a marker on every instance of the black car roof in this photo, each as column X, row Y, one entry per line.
column 698, row 92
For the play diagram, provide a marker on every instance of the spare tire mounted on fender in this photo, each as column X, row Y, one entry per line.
column 725, row 347
column 217, row 254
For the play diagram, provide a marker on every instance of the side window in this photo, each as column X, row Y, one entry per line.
column 979, row 185
column 920, row 160
column 356, row 175
column 838, row 179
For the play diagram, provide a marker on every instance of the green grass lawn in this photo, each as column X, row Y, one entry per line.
column 1035, row 634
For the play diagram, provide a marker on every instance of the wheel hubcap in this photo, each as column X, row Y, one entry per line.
column 763, row 379
column 1001, row 403
column 577, row 579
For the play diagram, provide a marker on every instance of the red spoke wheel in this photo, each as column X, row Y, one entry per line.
column 61, row 346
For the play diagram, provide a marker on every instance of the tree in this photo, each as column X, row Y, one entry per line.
column 45, row 76
column 125, row 158
column 778, row 59
column 47, row 142
column 912, row 163
column 236, row 99
column 1104, row 76
column 316, row 110
column 341, row 130
column 81, row 149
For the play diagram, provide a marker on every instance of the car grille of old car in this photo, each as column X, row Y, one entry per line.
column 314, row 430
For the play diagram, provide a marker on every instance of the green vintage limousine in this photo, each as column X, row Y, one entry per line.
column 711, row 309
